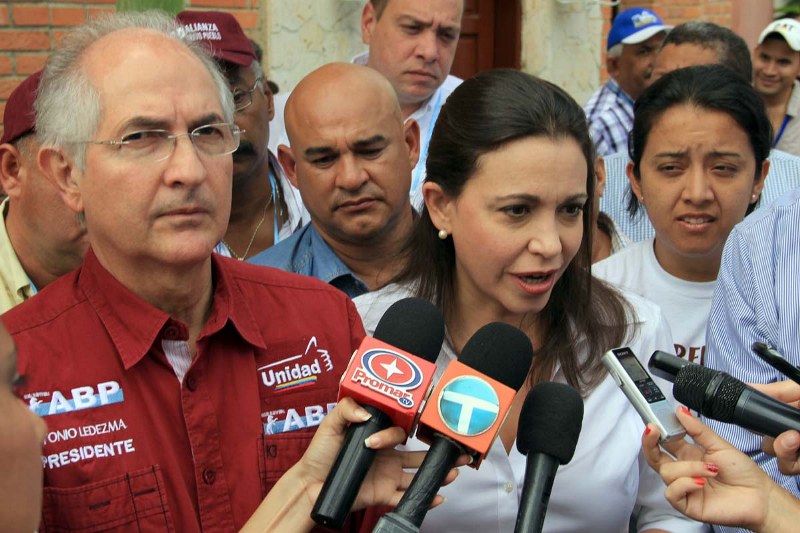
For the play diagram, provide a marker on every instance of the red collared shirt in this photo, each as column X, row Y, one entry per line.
column 129, row 446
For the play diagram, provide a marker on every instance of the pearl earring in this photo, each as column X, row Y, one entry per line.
column 442, row 234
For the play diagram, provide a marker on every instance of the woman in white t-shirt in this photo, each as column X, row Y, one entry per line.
column 505, row 236
column 698, row 152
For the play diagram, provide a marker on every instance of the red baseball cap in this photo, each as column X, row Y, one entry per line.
column 19, row 117
column 221, row 32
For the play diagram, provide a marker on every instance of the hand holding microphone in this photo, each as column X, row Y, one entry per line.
column 549, row 426
column 389, row 375
column 711, row 481
column 722, row 397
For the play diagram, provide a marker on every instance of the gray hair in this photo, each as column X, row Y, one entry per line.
column 615, row 51
column 258, row 72
column 68, row 106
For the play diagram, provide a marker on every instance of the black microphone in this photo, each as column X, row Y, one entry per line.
column 720, row 396
column 666, row 365
column 497, row 351
column 549, row 426
column 415, row 326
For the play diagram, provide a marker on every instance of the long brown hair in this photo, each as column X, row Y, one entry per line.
column 484, row 113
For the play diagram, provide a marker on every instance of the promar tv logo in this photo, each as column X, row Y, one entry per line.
column 468, row 405
column 389, row 373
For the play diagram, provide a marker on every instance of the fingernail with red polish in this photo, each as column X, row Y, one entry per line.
column 647, row 430
column 699, row 481
column 686, row 410
column 712, row 467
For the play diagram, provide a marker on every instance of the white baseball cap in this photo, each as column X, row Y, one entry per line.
column 788, row 29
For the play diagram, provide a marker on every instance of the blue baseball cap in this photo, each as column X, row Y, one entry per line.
column 635, row 25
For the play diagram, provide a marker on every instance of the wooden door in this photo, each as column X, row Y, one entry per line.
column 490, row 37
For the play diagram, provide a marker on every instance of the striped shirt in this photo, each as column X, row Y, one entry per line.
column 610, row 115
column 757, row 298
column 784, row 175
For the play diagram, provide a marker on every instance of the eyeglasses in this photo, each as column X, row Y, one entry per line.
column 157, row 145
column 243, row 98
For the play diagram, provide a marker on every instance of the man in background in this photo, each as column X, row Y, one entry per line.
column 265, row 207
column 631, row 47
column 413, row 44
column 351, row 156
column 776, row 66
column 40, row 239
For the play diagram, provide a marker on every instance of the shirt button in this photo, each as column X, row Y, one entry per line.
column 508, row 487
column 209, row 476
column 191, row 383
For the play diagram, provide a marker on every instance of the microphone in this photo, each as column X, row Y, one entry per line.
column 389, row 375
column 463, row 415
column 720, row 396
column 549, row 426
column 665, row 365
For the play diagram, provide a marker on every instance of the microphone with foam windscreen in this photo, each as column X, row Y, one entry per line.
column 720, row 396
column 463, row 415
column 549, row 426
column 389, row 375
column 666, row 365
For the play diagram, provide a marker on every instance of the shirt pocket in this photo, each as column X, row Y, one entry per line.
column 278, row 453
column 133, row 501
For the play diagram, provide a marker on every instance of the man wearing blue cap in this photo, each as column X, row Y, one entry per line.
column 632, row 44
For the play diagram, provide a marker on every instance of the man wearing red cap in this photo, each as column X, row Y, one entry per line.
column 40, row 239
column 266, row 208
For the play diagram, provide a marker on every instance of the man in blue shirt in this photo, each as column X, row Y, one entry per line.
column 351, row 157
column 757, row 299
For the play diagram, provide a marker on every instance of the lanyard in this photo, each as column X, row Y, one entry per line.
column 222, row 249
column 786, row 120
column 273, row 185
column 34, row 290
column 416, row 182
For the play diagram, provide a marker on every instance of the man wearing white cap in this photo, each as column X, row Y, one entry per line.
column 632, row 43
column 776, row 65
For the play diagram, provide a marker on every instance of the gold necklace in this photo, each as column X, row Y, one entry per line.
column 253, row 238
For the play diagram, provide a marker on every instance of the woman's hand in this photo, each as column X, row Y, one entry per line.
column 287, row 507
column 386, row 480
column 714, row 482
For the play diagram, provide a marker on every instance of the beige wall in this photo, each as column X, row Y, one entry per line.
column 304, row 34
column 561, row 43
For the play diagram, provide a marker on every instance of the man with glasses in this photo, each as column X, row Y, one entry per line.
column 266, row 208
column 177, row 385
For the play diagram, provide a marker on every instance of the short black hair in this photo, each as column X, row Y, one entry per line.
column 731, row 49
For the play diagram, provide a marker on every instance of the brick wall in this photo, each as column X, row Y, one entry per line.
column 29, row 30
column 674, row 12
